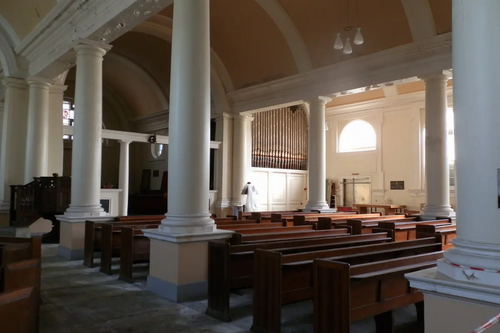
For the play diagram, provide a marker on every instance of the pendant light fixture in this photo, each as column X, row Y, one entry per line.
column 338, row 45
column 358, row 37
column 347, row 46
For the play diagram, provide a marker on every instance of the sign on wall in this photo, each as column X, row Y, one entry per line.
column 397, row 185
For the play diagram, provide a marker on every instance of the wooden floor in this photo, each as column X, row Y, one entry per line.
column 78, row 299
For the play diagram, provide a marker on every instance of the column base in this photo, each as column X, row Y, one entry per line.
column 187, row 224
column 316, row 205
column 178, row 268
column 72, row 234
column 454, row 306
column 472, row 262
column 437, row 211
column 85, row 211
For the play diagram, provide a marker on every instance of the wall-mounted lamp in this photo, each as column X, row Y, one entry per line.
column 152, row 138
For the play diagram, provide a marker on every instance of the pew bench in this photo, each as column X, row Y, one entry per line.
column 365, row 226
column 239, row 238
column 111, row 242
column 93, row 237
column 344, row 293
column 232, row 266
column 287, row 278
column 445, row 232
column 407, row 230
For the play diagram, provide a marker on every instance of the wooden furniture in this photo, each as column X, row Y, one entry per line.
column 286, row 278
column 20, row 275
column 389, row 209
column 407, row 230
column 232, row 266
column 444, row 232
column 344, row 293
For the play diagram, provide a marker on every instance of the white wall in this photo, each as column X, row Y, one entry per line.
column 398, row 124
column 280, row 189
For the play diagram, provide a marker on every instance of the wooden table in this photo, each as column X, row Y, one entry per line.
column 389, row 209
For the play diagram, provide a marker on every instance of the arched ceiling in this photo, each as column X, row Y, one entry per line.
column 259, row 41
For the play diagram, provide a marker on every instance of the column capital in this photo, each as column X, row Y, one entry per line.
column 245, row 117
column 223, row 115
column 92, row 48
column 441, row 76
column 124, row 142
column 14, row 82
column 58, row 88
column 321, row 100
column 40, row 82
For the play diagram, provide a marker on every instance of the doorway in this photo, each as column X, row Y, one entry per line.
column 356, row 191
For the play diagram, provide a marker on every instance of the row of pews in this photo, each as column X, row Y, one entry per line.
column 20, row 274
column 354, row 272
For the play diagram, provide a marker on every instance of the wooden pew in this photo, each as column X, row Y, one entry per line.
column 445, row 232
column 135, row 248
column 232, row 266
column 344, row 293
column 290, row 217
column 93, row 236
column 365, row 226
column 239, row 238
column 18, row 311
column 282, row 279
column 20, row 277
column 407, row 230
column 34, row 243
column 339, row 221
column 133, row 218
column 111, row 242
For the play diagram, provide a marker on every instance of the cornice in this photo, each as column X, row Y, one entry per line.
column 418, row 58
column 72, row 21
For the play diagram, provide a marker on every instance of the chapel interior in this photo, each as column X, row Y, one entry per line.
column 267, row 166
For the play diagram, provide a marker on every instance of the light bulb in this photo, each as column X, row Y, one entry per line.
column 338, row 42
column 347, row 47
column 358, row 39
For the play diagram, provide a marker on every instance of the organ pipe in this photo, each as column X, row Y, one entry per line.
column 279, row 139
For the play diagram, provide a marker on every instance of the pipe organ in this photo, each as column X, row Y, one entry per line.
column 279, row 139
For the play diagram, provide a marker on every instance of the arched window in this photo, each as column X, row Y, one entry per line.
column 358, row 135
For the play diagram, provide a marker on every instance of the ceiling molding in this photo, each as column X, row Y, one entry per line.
column 420, row 19
column 9, row 32
column 46, row 47
column 290, row 33
column 415, row 59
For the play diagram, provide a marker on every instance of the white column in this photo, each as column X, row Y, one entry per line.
column 87, row 135
column 437, row 172
column 14, row 134
column 37, row 147
column 223, row 176
column 189, row 121
column 123, row 180
column 242, row 155
column 56, row 144
column 317, row 154
column 477, row 133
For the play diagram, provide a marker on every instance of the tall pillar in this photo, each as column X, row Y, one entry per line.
column 37, row 148
column 14, row 132
column 123, row 176
column 87, row 147
column 179, row 248
column 56, row 144
column 242, row 155
column 224, row 134
column 317, row 155
column 463, row 292
column 437, row 170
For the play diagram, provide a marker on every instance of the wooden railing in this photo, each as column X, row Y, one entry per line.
column 44, row 195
